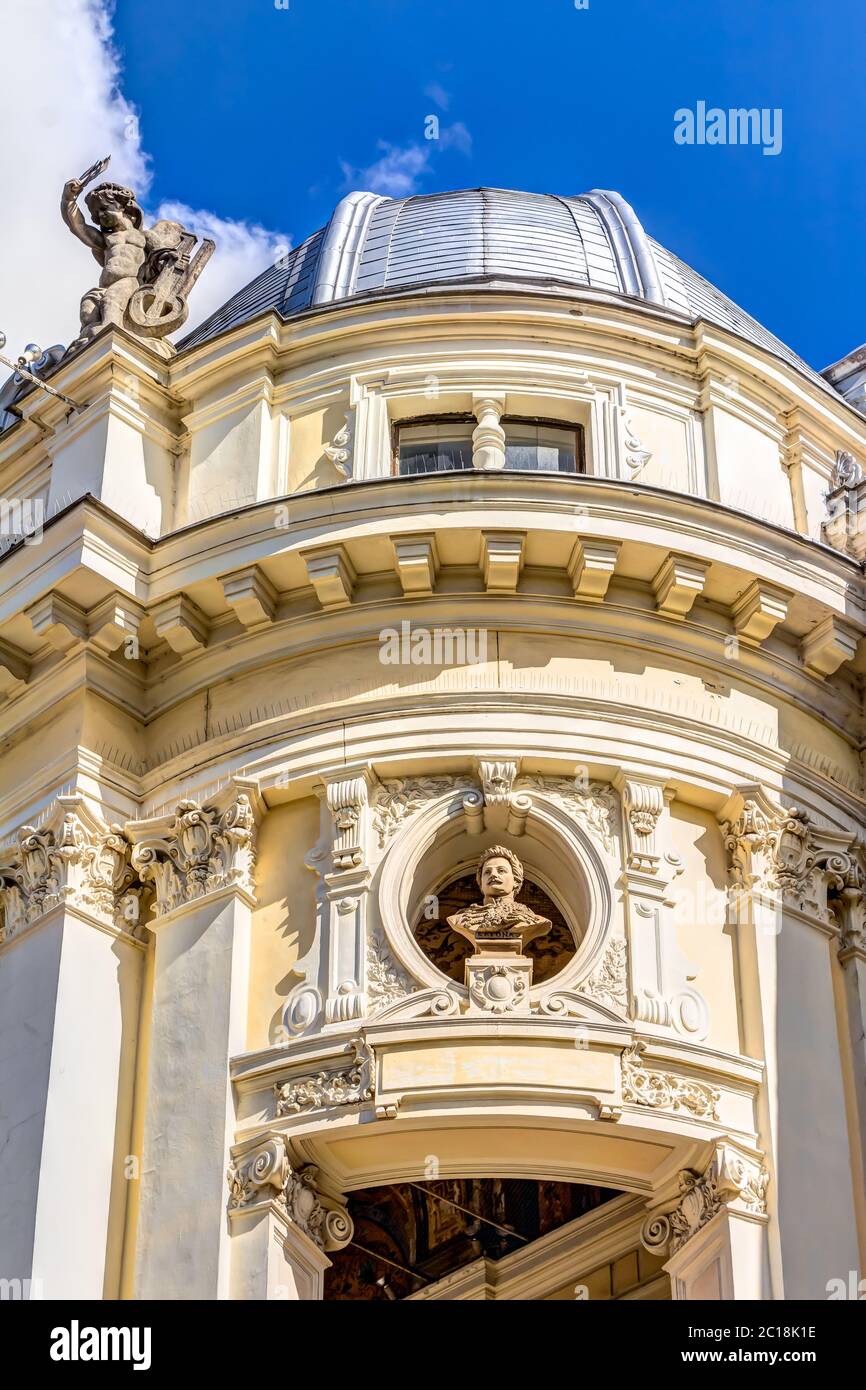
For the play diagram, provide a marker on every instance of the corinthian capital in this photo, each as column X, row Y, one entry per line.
column 776, row 849
column 199, row 849
column 72, row 859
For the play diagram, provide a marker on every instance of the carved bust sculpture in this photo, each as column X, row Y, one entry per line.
column 499, row 923
column 147, row 273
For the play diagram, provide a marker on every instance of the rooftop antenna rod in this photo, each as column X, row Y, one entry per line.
column 32, row 353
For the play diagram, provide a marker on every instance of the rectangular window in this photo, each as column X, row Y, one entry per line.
column 444, row 445
column 540, row 447
column 435, row 448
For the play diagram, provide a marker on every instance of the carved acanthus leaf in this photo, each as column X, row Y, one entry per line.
column 201, row 851
column 730, row 1180
column 593, row 804
column 266, row 1175
column 83, row 864
column 395, row 800
column 387, row 981
column 608, row 984
column 777, row 850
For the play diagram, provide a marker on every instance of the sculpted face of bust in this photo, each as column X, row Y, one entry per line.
column 497, row 879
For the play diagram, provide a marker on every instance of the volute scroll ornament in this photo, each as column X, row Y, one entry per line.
column 267, row 1175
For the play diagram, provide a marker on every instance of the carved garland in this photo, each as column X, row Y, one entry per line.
column 348, row 1085
column 663, row 1090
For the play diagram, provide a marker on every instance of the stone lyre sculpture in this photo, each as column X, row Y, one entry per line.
column 147, row 272
column 499, row 975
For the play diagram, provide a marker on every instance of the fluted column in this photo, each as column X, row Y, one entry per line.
column 70, row 977
column 200, row 864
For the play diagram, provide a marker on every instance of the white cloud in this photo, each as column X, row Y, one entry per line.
column 399, row 170
column 438, row 94
column 60, row 79
column 243, row 249
column 396, row 174
column 456, row 137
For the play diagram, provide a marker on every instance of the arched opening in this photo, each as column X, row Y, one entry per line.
column 409, row 1236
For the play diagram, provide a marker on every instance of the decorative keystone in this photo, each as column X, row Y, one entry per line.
column 182, row 623
column 252, row 596
column 759, row 609
column 417, row 563
column 502, row 560
column 677, row 584
column 829, row 645
column 591, row 568
column 332, row 575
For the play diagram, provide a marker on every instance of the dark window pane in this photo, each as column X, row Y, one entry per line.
column 435, row 456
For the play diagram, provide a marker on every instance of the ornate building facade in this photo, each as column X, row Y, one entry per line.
column 479, row 523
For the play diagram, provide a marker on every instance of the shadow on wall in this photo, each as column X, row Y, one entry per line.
column 284, row 922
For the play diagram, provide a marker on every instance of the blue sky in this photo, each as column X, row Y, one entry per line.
column 268, row 114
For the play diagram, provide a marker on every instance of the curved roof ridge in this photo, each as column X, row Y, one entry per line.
column 627, row 233
column 377, row 245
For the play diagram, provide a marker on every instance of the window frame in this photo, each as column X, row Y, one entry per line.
column 463, row 418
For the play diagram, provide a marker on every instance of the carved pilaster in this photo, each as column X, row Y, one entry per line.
column 345, row 840
column 643, row 802
column 664, row 994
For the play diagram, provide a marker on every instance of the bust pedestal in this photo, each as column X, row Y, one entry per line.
column 498, row 982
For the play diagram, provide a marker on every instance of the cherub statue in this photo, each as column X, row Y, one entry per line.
column 147, row 273
column 499, row 922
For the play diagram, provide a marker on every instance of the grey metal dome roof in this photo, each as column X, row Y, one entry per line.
column 484, row 236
